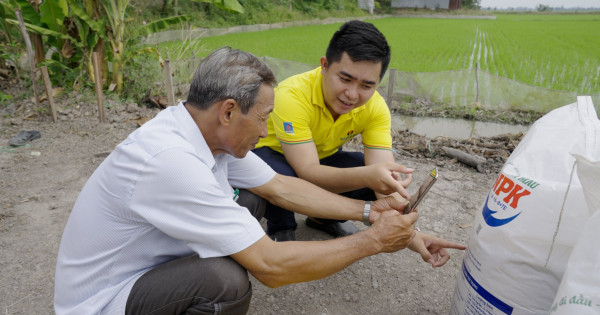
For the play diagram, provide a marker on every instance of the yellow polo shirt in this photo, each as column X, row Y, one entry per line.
column 300, row 116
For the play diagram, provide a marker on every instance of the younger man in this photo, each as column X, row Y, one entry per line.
column 316, row 112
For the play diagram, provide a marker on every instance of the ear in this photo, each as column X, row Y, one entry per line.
column 227, row 111
column 324, row 64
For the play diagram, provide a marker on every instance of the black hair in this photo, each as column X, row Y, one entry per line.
column 361, row 41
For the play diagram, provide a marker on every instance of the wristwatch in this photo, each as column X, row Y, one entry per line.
column 366, row 213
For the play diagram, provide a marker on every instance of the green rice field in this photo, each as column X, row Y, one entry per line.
column 560, row 52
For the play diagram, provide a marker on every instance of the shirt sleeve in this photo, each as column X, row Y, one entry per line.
column 377, row 133
column 249, row 172
column 179, row 195
column 292, row 116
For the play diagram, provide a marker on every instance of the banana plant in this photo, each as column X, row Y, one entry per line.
column 116, row 22
column 66, row 46
column 87, row 33
column 115, row 17
column 229, row 5
column 47, row 21
column 91, row 23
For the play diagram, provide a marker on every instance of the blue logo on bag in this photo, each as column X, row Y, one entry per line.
column 288, row 128
column 488, row 215
column 511, row 194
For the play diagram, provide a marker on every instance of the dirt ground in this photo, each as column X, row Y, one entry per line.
column 39, row 183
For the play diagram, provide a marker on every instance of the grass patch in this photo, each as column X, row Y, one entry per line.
column 552, row 51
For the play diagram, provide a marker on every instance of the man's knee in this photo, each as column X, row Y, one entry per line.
column 254, row 203
column 198, row 285
column 232, row 277
column 228, row 286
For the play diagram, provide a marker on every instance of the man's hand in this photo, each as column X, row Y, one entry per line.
column 432, row 249
column 404, row 181
column 384, row 204
column 393, row 231
column 386, row 178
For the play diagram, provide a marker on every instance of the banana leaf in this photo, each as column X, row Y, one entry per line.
column 162, row 24
column 52, row 13
column 229, row 5
column 99, row 27
column 44, row 31
column 28, row 12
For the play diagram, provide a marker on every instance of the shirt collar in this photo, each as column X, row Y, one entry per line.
column 317, row 90
column 193, row 134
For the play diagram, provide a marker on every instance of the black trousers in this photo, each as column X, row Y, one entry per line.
column 194, row 285
column 281, row 219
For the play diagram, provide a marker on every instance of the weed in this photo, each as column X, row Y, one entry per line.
column 4, row 98
column 10, row 52
column 42, row 110
column 142, row 71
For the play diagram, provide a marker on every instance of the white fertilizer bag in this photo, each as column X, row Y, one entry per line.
column 531, row 218
column 579, row 290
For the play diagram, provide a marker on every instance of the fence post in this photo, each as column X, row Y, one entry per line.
column 477, row 82
column 99, row 95
column 391, row 79
column 48, row 86
column 169, row 83
column 32, row 62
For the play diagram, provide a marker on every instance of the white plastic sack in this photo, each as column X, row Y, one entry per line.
column 579, row 290
column 530, row 219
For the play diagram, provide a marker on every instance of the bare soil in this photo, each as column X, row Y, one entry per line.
column 39, row 183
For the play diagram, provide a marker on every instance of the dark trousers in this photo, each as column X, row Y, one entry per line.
column 281, row 219
column 194, row 285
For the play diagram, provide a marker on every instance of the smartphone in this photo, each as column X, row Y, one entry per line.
column 416, row 198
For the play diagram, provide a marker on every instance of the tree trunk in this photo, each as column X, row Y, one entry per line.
column 118, row 67
column 94, row 9
column 38, row 44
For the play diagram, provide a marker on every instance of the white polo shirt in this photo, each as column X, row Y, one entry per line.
column 158, row 196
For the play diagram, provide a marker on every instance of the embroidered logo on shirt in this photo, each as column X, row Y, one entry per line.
column 349, row 134
column 288, row 128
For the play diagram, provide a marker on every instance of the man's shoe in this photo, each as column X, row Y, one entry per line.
column 283, row 236
column 333, row 228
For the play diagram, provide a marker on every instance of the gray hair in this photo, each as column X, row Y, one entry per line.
column 229, row 73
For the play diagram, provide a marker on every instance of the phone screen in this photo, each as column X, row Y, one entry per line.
column 416, row 198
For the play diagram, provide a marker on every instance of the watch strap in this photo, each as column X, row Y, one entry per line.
column 366, row 213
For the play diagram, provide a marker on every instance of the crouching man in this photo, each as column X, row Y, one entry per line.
column 159, row 229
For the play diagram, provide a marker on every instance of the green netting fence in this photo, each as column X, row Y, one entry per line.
column 473, row 87
column 466, row 87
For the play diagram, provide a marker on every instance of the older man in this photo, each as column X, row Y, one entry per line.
column 157, row 229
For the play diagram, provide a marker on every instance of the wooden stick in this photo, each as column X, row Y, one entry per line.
column 466, row 158
column 477, row 81
column 391, row 79
column 38, row 44
column 48, row 86
column 169, row 83
column 98, row 82
column 32, row 63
